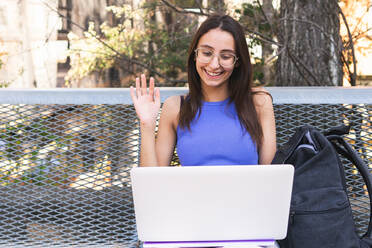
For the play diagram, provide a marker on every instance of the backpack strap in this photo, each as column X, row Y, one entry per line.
column 339, row 130
column 345, row 149
column 288, row 148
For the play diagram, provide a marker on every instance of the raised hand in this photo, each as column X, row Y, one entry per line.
column 146, row 102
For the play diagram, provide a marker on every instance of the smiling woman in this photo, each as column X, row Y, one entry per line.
column 214, row 71
column 222, row 120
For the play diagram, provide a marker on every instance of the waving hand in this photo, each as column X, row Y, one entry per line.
column 146, row 101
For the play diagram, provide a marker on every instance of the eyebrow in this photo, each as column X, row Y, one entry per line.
column 223, row 50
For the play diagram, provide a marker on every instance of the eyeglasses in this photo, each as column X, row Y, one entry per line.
column 205, row 55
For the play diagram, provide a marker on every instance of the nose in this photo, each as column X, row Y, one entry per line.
column 215, row 63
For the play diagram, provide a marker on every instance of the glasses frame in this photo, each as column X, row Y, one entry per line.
column 214, row 54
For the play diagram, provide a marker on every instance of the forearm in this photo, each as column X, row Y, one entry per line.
column 267, row 153
column 148, row 154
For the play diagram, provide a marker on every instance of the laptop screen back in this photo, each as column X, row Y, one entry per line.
column 212, row 202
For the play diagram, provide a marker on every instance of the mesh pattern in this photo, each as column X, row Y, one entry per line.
column 64, row 177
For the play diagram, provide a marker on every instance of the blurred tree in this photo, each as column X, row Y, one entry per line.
column 158, row 44
column 267, row 48
column 310, row 36
column 298, row 42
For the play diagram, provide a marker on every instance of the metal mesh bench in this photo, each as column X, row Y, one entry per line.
column 65, row 157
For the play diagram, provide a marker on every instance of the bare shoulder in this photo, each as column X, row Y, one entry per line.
column 171, row 109
column 261, row 97
column 172, row 104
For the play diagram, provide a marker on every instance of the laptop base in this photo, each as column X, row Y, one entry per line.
column 212, row 244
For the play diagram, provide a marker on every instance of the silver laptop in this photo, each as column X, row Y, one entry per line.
column 212, row 206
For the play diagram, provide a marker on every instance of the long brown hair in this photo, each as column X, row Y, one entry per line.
column 240, row 81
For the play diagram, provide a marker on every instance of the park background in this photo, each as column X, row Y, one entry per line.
column 107, row 43
column 66, row 153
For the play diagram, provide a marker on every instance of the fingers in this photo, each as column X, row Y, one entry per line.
column 151, row 87
column 157, row 96
column 141, row 87
column 143, row 84
column 138, row 89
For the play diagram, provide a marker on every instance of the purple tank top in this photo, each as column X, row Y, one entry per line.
column 216, row 138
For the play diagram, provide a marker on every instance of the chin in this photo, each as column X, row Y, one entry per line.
column 216, row 84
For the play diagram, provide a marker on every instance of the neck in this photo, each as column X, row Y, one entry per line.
column 212, row 94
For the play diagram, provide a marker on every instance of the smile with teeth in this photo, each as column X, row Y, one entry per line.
column 213, row 74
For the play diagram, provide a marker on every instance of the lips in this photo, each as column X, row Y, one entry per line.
column 213, row 74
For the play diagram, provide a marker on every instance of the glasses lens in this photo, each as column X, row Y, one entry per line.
column 205, row 55
column 227, row 59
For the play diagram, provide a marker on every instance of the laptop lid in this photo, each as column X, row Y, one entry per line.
column 211, row 203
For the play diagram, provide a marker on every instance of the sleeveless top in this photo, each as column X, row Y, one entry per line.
column 216, row 138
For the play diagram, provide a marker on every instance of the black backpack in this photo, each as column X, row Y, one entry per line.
column 320, row 213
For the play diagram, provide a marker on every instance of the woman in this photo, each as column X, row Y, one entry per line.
column 222, row 120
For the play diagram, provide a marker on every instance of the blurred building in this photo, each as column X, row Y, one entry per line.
column 28, row 43
column 75, row 17
column 33, row 38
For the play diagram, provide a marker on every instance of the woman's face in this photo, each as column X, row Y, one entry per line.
column 215, row 57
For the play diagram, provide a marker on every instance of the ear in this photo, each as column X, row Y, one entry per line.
column 237, row 64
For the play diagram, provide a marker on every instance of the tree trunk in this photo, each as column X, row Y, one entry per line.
column 311, row 52
column 267, row 49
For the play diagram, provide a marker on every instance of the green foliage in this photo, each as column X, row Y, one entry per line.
column 156, row 46
column 4, row 84
column 249, row 9
column 25, row 158
column 186, row 3
column 252, row 17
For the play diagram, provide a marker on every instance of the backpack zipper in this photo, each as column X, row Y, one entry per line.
column 304, row 212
